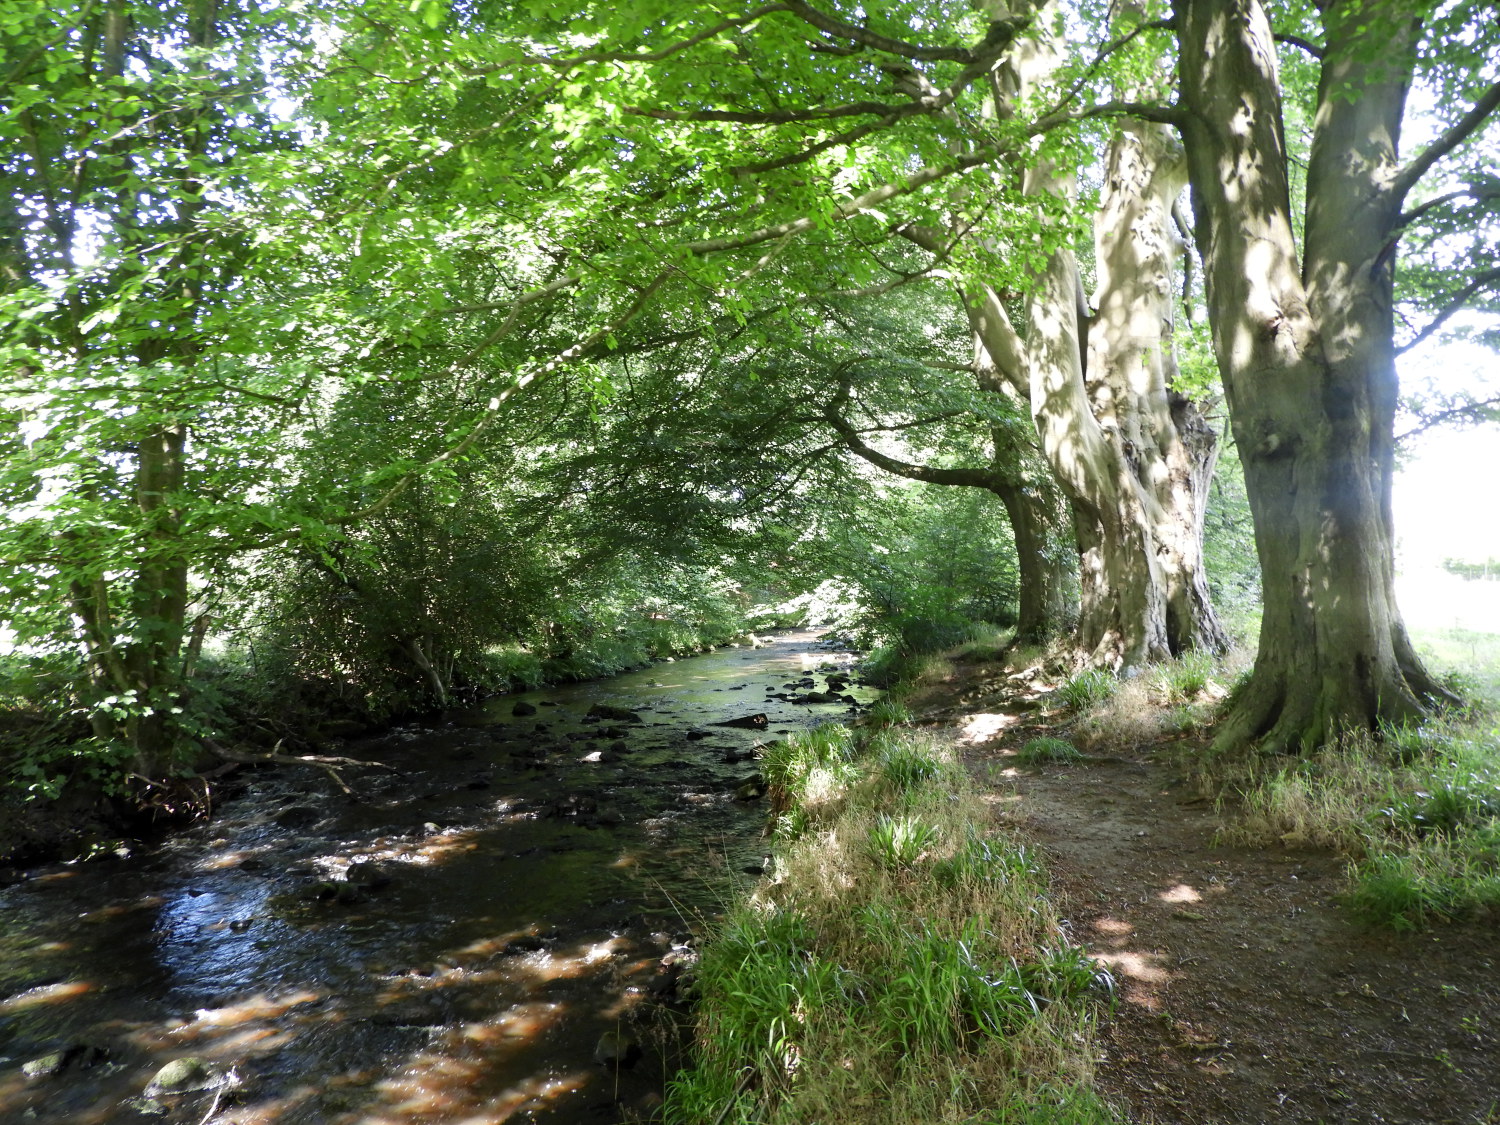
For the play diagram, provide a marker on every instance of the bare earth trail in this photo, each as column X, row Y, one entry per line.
column 1245, row 991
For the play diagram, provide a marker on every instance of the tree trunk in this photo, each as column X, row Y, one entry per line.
column 1160, row 439
column 1307, row 359
column 1134, row 480
column 159, row 602
column 1047, row 604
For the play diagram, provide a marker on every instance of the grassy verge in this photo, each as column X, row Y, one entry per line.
column 902, row 964
column 1416, row 810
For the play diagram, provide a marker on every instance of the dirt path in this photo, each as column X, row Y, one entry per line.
column 1245, row 993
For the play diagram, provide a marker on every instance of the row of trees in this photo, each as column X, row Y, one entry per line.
column 288, row 290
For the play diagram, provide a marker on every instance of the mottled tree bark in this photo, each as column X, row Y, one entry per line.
column 1305, row 348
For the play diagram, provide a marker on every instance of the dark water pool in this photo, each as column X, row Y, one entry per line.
column 462, row 942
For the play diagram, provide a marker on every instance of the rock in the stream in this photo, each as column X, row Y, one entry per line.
column 746, row 722
column 185, row 1075
column 368, row 874
column 751, row 788
column 696, row 735
column 619, row 746
column 298, row 816
column 526, row 943
column 79, row 1055
column 523, row 708
column 613, row 714
column 617, row 1050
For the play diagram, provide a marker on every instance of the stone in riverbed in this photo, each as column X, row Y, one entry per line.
column 613, row 714
column 617, row 1050
column 746, row 722
column 367, row 874
column 522, row 708
column 751, row 788
column 298, row 816
column 181, row 1076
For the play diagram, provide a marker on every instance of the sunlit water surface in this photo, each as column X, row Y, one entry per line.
column 539, row 872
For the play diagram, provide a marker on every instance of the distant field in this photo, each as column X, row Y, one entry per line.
column 1456, row 624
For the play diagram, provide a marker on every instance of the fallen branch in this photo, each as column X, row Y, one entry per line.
column 328, row 763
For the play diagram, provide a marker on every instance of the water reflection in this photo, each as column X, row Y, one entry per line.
column 454, row 946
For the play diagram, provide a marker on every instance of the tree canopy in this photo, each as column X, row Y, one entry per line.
column 449, row 326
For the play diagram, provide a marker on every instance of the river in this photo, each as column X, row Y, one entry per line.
column 461, row 941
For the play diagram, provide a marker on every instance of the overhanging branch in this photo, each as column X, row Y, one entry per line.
column 1450, row 139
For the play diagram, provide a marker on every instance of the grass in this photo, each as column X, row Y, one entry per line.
column 1087, row 689
column 1048, row 751
column 905, row 964
column 1173, row 698
column 1416, row 808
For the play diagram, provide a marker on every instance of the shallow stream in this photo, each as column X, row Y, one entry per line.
column 464, row 940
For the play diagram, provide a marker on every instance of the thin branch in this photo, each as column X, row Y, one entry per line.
column 1146, row 111
column 1450, row 139
column 1297, row 41
column 1468, row 410
column 767, row 117
column 842, row 29
column 1479, row 193
column 635, row 56
column 525, row 298
column 872, row 198
column 973, row 478
column 1104, row 53
column 1456, row 305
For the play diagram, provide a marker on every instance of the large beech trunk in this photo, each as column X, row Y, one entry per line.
column 1133, row 459
column 1306, row 354
column 1161, row 443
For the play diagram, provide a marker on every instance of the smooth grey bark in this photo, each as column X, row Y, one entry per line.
column 1133, row 459
column 1158, row 436
column 1304, row 344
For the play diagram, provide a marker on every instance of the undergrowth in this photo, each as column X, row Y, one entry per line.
column 1417, row 810
column 904, row 965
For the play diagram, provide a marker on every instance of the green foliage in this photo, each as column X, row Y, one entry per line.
column 899, row 841
column 766, row 978
column 1457, row 798
column 1087, row 689
column 904, row 766
column 1186, row 677
column 902, row 958
column 982, row 862
column 888, row 712
column 1048, row 751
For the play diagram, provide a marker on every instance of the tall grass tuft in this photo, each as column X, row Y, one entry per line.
column 1088, row 688
column 903, row 965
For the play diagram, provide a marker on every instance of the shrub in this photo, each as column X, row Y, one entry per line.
column 897, row 842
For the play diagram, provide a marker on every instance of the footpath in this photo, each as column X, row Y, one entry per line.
column 1245, row 992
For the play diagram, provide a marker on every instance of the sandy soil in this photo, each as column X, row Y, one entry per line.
column 1245, row 992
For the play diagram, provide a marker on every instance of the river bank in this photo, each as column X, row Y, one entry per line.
column 464, row 932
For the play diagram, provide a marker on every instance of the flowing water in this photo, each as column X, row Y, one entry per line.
column 464, row 940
